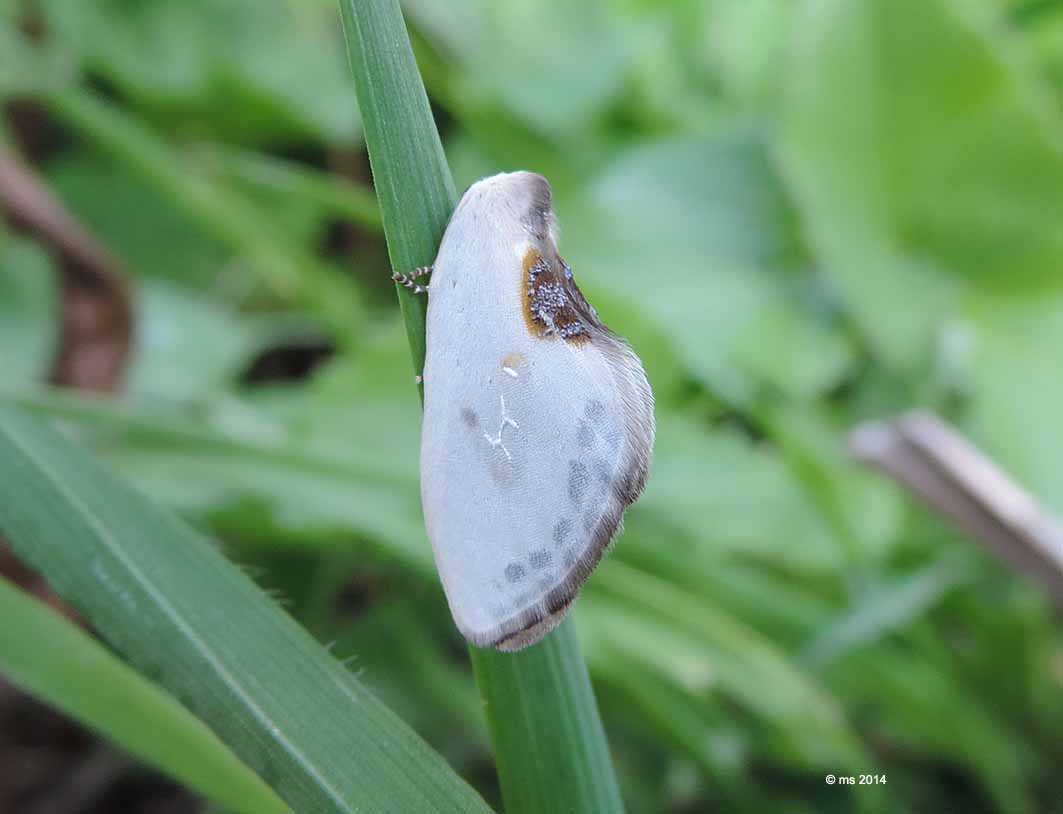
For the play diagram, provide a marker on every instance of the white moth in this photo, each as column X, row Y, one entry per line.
column 538, row 421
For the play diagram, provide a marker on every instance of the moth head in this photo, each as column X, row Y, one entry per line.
column 521, row 197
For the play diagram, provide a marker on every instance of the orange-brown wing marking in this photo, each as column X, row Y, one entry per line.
column 551, row 301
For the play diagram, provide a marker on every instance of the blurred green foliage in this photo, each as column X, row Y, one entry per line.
column 802, row 213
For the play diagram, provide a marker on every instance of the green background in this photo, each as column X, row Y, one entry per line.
column 803, row 214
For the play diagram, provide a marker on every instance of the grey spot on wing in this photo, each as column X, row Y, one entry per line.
column 585, row 435
column 540, row 559
column 570, row 558
column 595, row 411
column 504, row 471
column 514, row 572
column 562, row 531
column 602, row 470
column 503, row 467
column 578, row 480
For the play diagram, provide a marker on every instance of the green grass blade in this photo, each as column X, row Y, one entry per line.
column 58, row 662
column 334, row 495
column 284, row 268
column 164, row 597
column 336, row 194
column 544, row 723
column 410, row 173
column 548, row 683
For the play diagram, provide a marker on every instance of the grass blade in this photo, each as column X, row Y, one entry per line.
column 549, row 742
column 544, row 724
column 324, row 497
column 284, row 268
column 163, row 596
column 337, row 195
column 410, row 172
column 55, row 660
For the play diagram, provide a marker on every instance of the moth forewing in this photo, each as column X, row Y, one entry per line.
column 538, row 422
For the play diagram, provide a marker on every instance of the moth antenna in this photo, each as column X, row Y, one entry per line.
column 407, row 280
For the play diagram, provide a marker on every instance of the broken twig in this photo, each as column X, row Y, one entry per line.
column 954, row 478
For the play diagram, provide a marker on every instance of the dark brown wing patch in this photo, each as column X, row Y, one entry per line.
column 551, row 301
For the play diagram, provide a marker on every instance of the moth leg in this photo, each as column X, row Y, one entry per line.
column 420, row 271
column 407, row 280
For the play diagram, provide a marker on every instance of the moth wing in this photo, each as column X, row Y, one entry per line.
column 531, row 450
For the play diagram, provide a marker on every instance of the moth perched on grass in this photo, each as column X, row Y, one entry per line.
column 538, row 420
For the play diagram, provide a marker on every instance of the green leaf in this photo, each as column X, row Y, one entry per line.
column 554, row 66
column 416, row 195
column 747, row 491
column 748, row 47
column 410, row 173
column 883, row 609
column 135, row 218
column 714, row 198
column 925, row 160
column 1016, row 416
column 718, row 651
column 27, row 310
column 301, row 185
column 165, row 598
column 708, row 217
column 201, row 62
column 675, row 714
column 936, row 712
column 288, row 271
column 252, row 479
column 28, row 66
column 54, row 659
column 553, row 63
column 186, row 344
column 545, row 728
column 379, row 425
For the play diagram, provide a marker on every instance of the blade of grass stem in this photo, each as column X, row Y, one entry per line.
column 286, row 270
column 549, row 743
column 410, row 172
column 166, row 599
column 337, row 195
column 52, row 658
column 543, row 718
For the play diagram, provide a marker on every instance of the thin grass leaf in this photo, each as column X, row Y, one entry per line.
column 336, row 195
column 55, row 660
column 550, row 748
column 549, row 742
column 285, row 269
column 316, row 499
column 410, row 173
column 164, row 597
